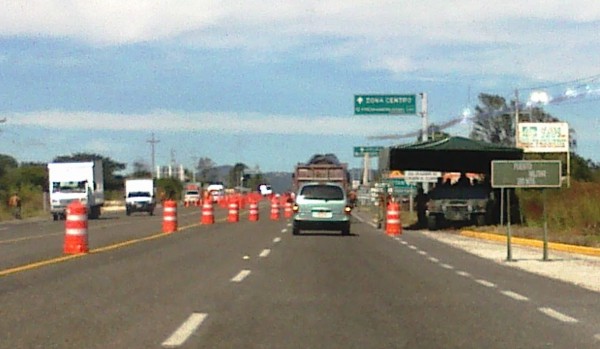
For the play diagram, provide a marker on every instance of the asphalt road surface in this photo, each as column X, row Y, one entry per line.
column 254, row 285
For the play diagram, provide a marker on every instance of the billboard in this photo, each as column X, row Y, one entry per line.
column 543, row 137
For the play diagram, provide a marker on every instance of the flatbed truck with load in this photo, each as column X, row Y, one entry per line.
column 321, row 168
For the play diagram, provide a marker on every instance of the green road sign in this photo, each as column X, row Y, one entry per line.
column 526, row 174
column 385, row 104
column 401, row 187
column 372, row 151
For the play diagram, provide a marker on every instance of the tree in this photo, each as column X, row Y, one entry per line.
column 235, row 174
column 141, row 170
column 494, row 120
column 109, row 166
column 7, row 162
column 206, row 167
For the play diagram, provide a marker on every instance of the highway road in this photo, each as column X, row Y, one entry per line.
column 255, row 285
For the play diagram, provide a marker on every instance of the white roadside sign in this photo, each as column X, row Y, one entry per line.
column 544, row 137
column 421, row 176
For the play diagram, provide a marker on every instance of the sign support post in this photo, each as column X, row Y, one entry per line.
column 540, row 174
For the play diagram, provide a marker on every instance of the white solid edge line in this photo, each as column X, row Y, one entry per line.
column 241, row 276
column 264, row 253
column 514, row 295
column 485, row 283
column 185, row 330
column 557, row 315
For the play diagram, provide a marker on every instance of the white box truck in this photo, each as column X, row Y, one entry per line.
column 140, row 196
column 69, row 181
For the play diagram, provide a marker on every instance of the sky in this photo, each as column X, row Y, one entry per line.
column 270, row 83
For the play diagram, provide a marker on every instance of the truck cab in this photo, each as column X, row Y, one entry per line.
column 140, row 196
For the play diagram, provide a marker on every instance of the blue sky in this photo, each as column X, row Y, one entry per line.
column 270, row 83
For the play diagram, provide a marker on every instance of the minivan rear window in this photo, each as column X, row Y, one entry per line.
column 322, row 192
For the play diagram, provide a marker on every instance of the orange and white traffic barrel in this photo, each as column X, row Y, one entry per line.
column 169, row 216
column 253, row 211
column 76, row 226
column 208, row 215
column 234, row 212
column 287, row 210
column 393, row 225
column 275, row 209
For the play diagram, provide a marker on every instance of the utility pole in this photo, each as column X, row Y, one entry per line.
column 424, row 136
column 516, row 118
column 152, row 142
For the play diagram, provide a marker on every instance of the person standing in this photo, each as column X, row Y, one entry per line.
column 421, row 200
column 14, row 202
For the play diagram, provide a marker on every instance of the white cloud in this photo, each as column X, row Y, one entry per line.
column 227, row 123
column 390, row 35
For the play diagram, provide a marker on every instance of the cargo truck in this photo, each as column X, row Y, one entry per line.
column 70, row 181
column 140, row 196
column 321, row 168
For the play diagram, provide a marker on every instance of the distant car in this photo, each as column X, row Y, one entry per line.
column 265, row 189
column 321, row 206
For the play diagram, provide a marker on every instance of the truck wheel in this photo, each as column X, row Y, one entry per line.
column 295, row 230
column 128, row 212
column 151, row 212
column 432, row 223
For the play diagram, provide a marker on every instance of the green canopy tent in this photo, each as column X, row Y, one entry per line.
column 453, row 154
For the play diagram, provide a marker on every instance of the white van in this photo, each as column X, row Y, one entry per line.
column 216, row 192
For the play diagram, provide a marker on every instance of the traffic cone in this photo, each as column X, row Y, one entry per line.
column 208, row 216
column 393, row 224
column 274, row 209
column 169, row 216
column 234, row 213
column 253, row 211
column 76, row 226
column 287, row 210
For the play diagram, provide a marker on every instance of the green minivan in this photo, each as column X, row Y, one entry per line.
column 321, row 206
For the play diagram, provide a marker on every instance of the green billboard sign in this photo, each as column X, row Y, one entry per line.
column 526, row 174
column 385, row 104
column 372, row 151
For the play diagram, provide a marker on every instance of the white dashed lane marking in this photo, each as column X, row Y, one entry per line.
column 447, row 266
column 404, row 242
column 276, row 240
column 283, row 231
column 185, row 330
column 434, row 260
column 514, row 295
column 412, row 247
column 463, row 273
column 422, row 253
column 240, row 276
column 558, row 315
column 289, row 224
column 597, row 337
column 486, row 283
column 264, row 253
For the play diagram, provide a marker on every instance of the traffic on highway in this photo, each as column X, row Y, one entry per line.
column 252, row 283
